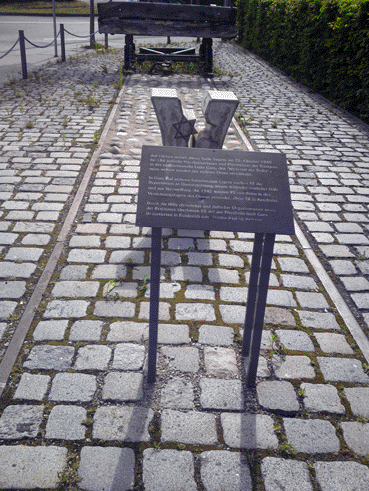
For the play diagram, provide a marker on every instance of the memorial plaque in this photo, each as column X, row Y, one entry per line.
column 212, row 189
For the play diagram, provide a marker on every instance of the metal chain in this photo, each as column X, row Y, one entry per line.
column 75, row 35
column 14, row 45
column 36, row 46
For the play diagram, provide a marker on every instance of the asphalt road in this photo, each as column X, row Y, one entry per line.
column 40, row 31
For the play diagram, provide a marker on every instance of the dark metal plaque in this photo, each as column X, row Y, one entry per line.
column 211, row 189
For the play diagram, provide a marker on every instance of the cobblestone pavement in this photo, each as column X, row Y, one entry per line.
column 77, row 408
column 328, row 156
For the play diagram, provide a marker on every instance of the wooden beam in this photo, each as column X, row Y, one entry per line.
column 142, row 27
column 161, row 11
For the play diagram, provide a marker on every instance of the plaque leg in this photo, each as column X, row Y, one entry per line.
column 252, row 293
column 129, row 49
column 208, row 55
column 266, row 263
column 154, row 302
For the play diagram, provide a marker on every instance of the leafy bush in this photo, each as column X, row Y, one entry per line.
column 322, row 43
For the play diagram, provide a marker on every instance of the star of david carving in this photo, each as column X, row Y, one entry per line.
column 185, row 128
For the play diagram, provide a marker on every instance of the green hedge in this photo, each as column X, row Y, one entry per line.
column 322, row 43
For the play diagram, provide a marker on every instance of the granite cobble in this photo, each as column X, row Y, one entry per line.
column 278, row 396
column 311, row 436
column 290, row 473
column 106, row 468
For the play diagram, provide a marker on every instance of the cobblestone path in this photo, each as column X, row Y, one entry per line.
column 77, row 407
column 328, row 154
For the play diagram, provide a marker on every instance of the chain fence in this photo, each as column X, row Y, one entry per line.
column 75, row 35
column 11, row 49
column 46, row 46
column 22, row 45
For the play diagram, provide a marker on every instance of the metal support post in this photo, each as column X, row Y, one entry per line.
column 252, row 293
column 55, row 36
column 92, row 24
column 62, row 42
column 154, row 301
column 22, row 47
column 129, row 50
column 106, row 41
column 256, row 303
column 206, row 52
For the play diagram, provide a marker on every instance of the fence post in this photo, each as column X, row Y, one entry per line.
column 55, row 36
column 92, row 24
column 106, row 41
column 23, row 54
column 62, row 42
